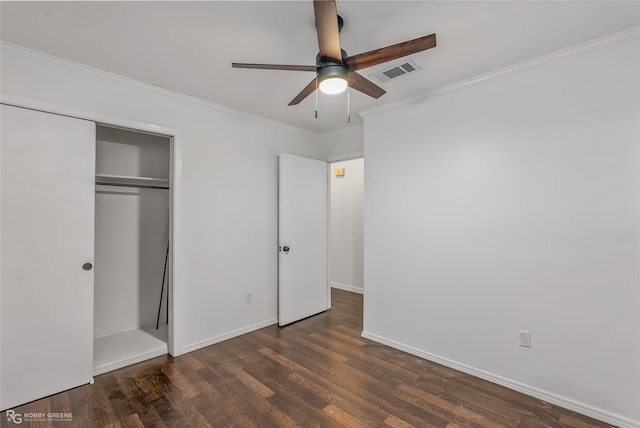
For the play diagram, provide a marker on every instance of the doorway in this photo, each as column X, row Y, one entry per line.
column 346, row 225
column 320, row 233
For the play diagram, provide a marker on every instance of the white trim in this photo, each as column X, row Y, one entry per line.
column 345, row 287
column 346, row 156
column 329, row 190
column 547, row 396
column 549, row 58
column 225, row 336
column 158, row 89
column 119, row 122
column 175, row 223
column 590, row 46
column 339, row 132
column 176, row 186
column 328, row 205
column 114, row 365
column 124, row 362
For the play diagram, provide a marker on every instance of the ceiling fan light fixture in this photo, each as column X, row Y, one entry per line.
column 333, row 85
column 333, row 79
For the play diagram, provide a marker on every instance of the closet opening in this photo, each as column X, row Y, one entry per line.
column 132, row 247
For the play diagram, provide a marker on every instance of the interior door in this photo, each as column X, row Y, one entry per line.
column 302, row 228
column 47, row 231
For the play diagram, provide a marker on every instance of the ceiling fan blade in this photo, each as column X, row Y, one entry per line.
column 327, row 29
column 274, row 66
column 378, row 56
column 308, row 90
column 364, row 85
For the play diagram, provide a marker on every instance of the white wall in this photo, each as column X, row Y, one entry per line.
column 228, row 188
column 514, row 204
column 344, row 144
column 346, row 251
column 131, row 232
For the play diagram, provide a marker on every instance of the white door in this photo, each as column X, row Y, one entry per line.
column 47, row 219
column 302, row 228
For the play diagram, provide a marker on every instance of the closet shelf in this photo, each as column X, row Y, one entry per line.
column 128, row 181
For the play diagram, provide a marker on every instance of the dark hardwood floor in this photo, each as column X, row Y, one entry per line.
column 317, row 372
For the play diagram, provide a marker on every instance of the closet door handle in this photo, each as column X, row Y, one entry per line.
column 87, row 266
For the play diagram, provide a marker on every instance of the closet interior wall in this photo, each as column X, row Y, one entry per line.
column 131, row 238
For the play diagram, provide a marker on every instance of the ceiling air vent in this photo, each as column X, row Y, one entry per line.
column 395, row 71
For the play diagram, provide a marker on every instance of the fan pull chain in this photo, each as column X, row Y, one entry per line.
column 316, row 97
column 348, row 105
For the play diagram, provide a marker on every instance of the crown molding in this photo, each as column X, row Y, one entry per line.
column 132, row 82
column 556, row 56
column 338, row 132
column 613, row 39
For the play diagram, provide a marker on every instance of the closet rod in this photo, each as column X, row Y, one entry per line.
column 142, row 186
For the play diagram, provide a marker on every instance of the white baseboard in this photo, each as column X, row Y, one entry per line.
column 138, row 358
column 546, row 396
column 121, row 349
column 225, row 336
column 345, row 287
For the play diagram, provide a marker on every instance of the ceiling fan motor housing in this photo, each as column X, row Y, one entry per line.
column 326, row 62
column 336, row 70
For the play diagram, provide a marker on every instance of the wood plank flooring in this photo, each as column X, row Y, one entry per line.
column 317, row 372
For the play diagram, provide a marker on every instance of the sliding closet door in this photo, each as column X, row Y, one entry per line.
column 47, row 222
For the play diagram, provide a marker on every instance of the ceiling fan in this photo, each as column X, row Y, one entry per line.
column 334, row 69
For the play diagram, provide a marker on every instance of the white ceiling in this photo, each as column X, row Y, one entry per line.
column 188, row 47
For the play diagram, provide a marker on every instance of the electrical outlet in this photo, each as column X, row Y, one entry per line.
column 247, row 297
column 525, row 338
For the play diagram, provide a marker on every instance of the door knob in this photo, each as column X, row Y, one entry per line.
column 285, row 249
column 87, row 266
